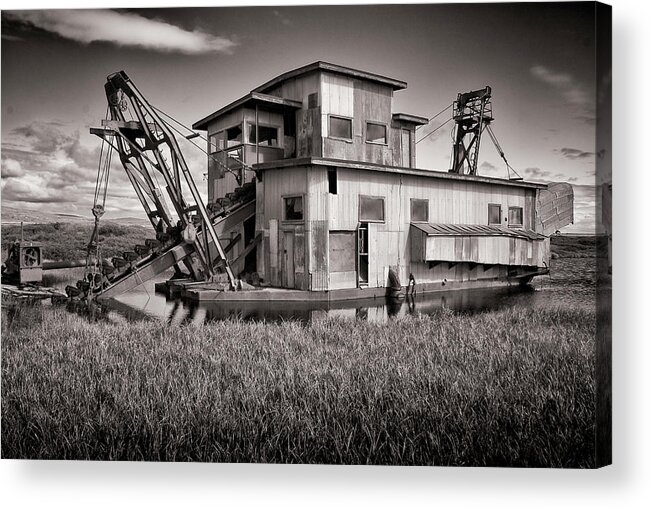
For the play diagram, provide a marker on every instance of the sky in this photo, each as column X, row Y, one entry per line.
column 538, row 59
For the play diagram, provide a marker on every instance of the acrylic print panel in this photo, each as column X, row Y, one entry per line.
column 403, row 259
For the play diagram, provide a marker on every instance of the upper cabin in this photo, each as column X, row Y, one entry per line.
column 319, row 110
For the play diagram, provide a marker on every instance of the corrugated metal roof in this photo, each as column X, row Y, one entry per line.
column 474, row 230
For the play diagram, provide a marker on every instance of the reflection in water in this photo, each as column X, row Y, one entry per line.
column 572, row 282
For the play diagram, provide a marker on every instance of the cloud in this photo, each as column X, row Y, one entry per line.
column 124, row 29
column 574, row 153
column 435, row 133
column 44, row 137
column 572, row 92
column 486, row 168
column 584, row 209
column 45, row 164
column 31, row 188
column 7, row 37
column 536, row 174
column 11, row 168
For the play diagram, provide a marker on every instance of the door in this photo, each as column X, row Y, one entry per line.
column 362, row 255
column 288, row 255
column 341, row 260
column 405, row 147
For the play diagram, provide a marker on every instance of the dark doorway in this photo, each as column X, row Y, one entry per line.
column 362, row 254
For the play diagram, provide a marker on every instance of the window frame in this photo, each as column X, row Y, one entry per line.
column 340, row 117
column 499, row 205
column 515, row 224
column 252, row 126
column 411, row 209
column 293, row 221
column 224, row 138
column 359, row 209
column 386, row 133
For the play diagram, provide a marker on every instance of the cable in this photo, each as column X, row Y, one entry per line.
column 433, row 131
column 501, row 152
column 212, row 156
column 436, row 115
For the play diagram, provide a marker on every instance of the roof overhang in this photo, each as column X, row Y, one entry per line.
column 474, row 230
column 269, row 102
column 365, row 166
column 405, row 118
column 395, row 84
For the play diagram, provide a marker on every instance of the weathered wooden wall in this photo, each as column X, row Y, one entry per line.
column 478, row 249
column 272, row 257
column 390, row 242
column 362, row 101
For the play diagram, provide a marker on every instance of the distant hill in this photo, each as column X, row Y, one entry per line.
column 15, row 215
column 132, row 221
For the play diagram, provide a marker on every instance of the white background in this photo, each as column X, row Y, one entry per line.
column 54, row 484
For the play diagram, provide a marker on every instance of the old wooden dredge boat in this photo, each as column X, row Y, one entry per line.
column 313, row 194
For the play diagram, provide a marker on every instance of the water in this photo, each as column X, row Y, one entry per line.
column 571, row 283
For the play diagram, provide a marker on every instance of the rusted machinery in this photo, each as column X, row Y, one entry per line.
column 24, row 263
column 186, row 234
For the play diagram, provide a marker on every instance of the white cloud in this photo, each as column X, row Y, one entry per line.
column 124, row 29
column 11, row 168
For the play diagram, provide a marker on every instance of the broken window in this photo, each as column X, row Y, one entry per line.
column 341, row 127
column 376, row 133
column 515, row 216
column 419, row 210
column 294, row 208
column 495, row 214
column 371, row 209
column 268, row 135
column 226, row 138
column 234, row 136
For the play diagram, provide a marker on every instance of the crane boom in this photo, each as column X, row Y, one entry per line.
column 148, row 150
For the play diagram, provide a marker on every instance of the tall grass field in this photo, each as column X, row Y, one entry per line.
column 500, row 388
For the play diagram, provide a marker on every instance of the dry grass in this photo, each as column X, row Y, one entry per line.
column 506, row 388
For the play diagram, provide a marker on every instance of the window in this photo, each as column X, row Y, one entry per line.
column 234, row 136
column 515, row 216
column 332, row 181
column 226, row 139
column 371, row 209
column 495, row 214
column 294, row 208
column 268, row 135
column 341, row 128
column 419, row 210
column 376, row 133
